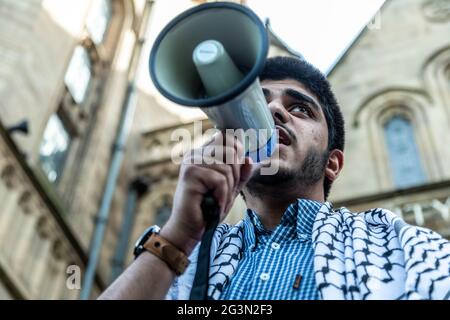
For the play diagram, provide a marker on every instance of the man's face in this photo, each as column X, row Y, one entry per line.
column 302, row 131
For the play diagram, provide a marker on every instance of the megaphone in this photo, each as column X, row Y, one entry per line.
column 210, row 57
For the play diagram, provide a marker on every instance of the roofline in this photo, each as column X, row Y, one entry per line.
column 352, row 43
column 280, row 42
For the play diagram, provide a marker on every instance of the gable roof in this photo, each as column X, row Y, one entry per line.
column 278, row 42
column 344, row 53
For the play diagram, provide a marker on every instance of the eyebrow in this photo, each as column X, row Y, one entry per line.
column 301, row 97
column 295, row 95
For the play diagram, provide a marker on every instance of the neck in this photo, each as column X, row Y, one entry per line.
column 270, row 207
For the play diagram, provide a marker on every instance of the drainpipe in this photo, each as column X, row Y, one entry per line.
column 116, row 160
column 137, row 189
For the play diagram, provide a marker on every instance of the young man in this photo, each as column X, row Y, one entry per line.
column 291, row 244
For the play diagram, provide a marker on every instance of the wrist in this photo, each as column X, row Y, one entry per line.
column 178, row 238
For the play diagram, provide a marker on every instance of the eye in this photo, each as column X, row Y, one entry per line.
column 300, row 108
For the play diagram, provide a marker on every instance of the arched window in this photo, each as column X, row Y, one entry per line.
column 80, row 74
column 66, row 137
column 403, row 153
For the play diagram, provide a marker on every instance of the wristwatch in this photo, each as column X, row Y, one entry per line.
column 152, row 242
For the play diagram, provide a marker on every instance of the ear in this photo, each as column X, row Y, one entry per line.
column 334, row 165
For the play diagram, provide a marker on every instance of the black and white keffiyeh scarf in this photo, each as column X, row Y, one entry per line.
column 365, row 255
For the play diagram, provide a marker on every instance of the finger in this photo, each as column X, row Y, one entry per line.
column 221, row 154
column 225, row 155
column 232, row 153
column 231, row 171
column 235, row 141
column 226, row 170
column 228, row 153
column 216, row 182
column 216, row 138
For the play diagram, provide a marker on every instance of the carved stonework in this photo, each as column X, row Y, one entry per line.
column 9, row 175
column 161, row 145
column 44, row 227
column 59, row 249
column 163, row 171
column 25, row 201
column 437, row 10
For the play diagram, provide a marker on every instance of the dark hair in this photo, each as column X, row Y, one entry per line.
column 281, row 68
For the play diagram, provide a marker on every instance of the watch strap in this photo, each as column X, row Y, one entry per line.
column 166, row 251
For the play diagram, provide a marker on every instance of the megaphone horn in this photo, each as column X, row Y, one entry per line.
column 210, row 57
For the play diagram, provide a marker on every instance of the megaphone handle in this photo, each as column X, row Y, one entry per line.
column 211, row 214
column 210, row 208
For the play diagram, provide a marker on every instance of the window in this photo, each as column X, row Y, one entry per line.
column 54, row 149
column 98, row 20
column 403, row 153
column 78, row 75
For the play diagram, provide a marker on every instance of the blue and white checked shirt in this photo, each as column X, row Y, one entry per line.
column 364, row 255
column 272, row 260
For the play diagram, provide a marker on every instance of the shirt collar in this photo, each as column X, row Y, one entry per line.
column 300, row 215
column 306, row 215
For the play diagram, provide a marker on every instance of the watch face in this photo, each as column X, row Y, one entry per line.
column 139, row 246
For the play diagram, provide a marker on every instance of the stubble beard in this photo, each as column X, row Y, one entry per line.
column 301, row 177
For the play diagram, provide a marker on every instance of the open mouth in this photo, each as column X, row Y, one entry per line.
column 283, row 136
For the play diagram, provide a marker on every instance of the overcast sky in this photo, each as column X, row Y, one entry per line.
column 319, row 29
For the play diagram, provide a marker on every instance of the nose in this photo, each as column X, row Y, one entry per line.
column 278, row 111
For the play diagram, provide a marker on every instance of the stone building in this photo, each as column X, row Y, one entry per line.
column 76, row 72
column 67, row 69
column 393, row 84
column 75, row 111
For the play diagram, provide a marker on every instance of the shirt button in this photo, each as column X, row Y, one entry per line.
column 275, row 246
column 264, row 276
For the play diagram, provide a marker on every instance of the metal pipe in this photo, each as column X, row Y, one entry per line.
column 136, row 189
column 103, row 214
column 116, row 162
